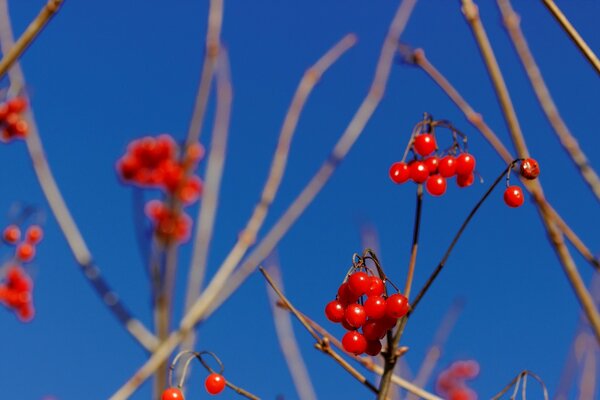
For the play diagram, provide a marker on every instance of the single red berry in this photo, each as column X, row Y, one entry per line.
column 34, row 234
column 425, row 144
column 20, row 128
column 396, row 306
column 399, row 172
column 530, row 169
column 191, row 190
column 25, row 252
column 335, row 311
column 214, row 383
column 461, row 393
column 418, row 171
column 17, row 104
column 373, row 329
column 513, row 196
column 436, row 185
column 432, row 164
column 375, row 307
column 128, row 167
column 194, row 153
column 345, row 296
column 26, row 312
column 373, row 347
column 354, row 342
column 465, row 164
column 465, row 180
column 11, row 234
column 376, row 287
column 447, row 166
column 358, row 283
column 355, row 315
column 172, row 394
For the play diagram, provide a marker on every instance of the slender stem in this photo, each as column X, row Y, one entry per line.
column 415, row 242
column 568, row 141
column 457, row 236
column 59, row 208
column 515, row 382
column 573, row 34
column 554, row 234
column 12, row 54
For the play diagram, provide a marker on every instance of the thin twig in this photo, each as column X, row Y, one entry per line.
column 211, row 52
column 515, row 382
column 343, row 146
column 210, row 198
column 555, row 235
column 573, row 34
column 415, row 242
column 59, row 208
column 12, row 54
column 568, row 141
column 287, row 339
column 476, row 119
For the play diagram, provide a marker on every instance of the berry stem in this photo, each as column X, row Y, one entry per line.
column 415, row 242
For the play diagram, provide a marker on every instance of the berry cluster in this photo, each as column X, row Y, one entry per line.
column 12, row 125
column 155, row 163
column 375, row 313
column 451, row 382
column 214, row 384
column 433, row 167
column 15, row 293
column 513, row 195
column 25, row 249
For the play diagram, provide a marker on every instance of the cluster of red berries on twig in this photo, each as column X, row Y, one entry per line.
column 432, row 166
column 12, row 125
column 156, row 163
column 362, row 303
column 16, row 290
column 513, row 195
column 451, row 382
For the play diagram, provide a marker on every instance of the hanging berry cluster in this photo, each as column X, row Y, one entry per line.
column 430, row 165
column 16, row 290
column 12, row 125
column 156, row 163
column 451, row 382
column 364, row 308
column 529, row 169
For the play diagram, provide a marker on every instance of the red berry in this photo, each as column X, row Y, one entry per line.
column 530, row 169
column 373, row 329
column 447, row 166
column 359, row 283
column 355, row 315
column 12, row 234
column 436, row 185
column 375, row 307
column 513, row 196
column 418, row 171
column 465, row 180
column 388, row 322
column 194, row 153
column 425, row 144
column 373, row 347
column 432, row 164
column 399, row 172
column 335, row 311
column 17, row 104
column 191, row 190
column 34, row 234
column 376, row 287
column 214, row 383
column 25, row 252
column 25, row 312
column 345, row 296
column 462, row 393
column 396, row 306
column 347, row 326
column 172, row 394
column 465, row 164
column 354, row 342
column 128, row 167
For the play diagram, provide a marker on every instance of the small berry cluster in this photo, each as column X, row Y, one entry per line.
column 12, row 125
column 513, row 195
column 15, row 293
column 25, row 250
column 155, row 163
column 433, row 167
column 214, row 384
column 375, row 313
column 451, row 382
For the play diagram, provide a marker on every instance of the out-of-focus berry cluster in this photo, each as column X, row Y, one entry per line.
column 12, row 124
column 451, row 383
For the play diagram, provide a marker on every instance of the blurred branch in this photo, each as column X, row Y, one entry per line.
column 555, row 235
column 211, row 51
column 11, row 54
column 573, row 34
column 287, row 339
column 59, row 208
column 568, row 141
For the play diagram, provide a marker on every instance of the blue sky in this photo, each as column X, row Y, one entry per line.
column 104, row 73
